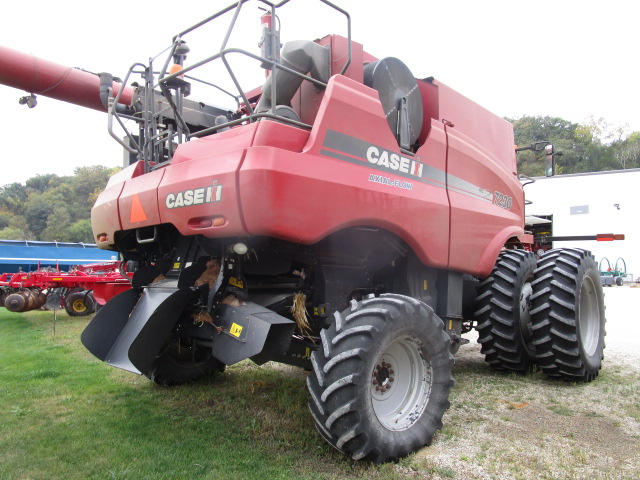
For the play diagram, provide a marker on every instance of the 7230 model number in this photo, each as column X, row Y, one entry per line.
column 502, row 200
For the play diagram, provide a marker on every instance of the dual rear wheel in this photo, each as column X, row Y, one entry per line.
column 548, row 313
column 568, row 315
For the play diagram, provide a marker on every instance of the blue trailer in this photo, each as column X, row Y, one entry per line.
column 27, row 256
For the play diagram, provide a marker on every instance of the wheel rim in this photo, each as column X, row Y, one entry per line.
column 401, row 384
column 589, row 317
column 78, row 305
column 525, row 315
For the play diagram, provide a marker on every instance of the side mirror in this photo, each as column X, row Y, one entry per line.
column 536, row 147
column 550, row 155
column 540, row 146
column 549, row 161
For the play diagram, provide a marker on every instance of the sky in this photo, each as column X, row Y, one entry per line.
column 573, row 59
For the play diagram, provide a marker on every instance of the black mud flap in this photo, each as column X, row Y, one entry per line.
column 130, row 331
column 251, row 331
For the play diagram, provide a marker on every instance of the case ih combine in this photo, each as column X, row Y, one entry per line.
column 345, row 217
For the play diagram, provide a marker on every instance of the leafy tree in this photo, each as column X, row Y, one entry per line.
column 12, row 198
column 41, row 183
column 627, row 151
column 5, row 219
column 560, row 132
column 50, row 207
column 584, row 147
column 81, row 231
column 58, row 223
column 87, row 184
column 11, row 233
column 37, row 212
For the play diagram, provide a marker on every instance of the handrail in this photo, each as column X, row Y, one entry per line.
column 155, row 144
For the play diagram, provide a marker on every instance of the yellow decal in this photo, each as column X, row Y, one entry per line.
column 236, row 283
column 176, row 265
column 424, row 285
column 308, row 352
column 235, row 330
column 450, row 324
column 56, row 279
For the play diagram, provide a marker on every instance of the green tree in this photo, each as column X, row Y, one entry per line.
column 81, row 231
column 11, row 233
column 42, row 183
column 5, row 219
column 627, row 152
column 37, row 211
column 58, row 223
column 13, row 197
column 87, row 184
column 50, row 207
column 581, row 145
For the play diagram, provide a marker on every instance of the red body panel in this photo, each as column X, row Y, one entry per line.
column 105, row 216
column 138, row 202
column 479, row 225
column 455, row 202
column 488, row 131
column 213, row 181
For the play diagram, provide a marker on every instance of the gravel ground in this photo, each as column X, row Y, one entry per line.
column 623, row 326
column 524, row 427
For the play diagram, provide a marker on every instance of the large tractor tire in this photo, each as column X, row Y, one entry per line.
column 502, row 313
column 179, row 364
column 78, row 304
column 568, row 315
column 380, row 382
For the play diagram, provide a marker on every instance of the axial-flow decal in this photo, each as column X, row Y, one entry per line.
column 345, row 147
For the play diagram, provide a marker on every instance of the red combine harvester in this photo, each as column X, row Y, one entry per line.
column 77, row 291
column 345, row 217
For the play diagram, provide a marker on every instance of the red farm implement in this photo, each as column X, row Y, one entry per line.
column 77, row 291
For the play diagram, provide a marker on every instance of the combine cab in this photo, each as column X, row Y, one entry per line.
column 345, row 217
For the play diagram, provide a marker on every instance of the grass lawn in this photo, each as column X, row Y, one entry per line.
column 65, row 415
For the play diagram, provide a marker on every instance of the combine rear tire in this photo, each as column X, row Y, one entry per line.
column 568, row 315
column 502, row 312
column 78, row 304
column 381, row 381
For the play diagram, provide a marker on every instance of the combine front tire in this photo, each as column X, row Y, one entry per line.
column 381, row 381
column 568, row 315
column 502, row 312
column 181, row 362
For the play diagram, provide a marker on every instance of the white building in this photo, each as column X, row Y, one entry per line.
column 592, row 203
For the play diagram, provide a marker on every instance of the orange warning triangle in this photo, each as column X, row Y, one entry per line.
column 137, row 212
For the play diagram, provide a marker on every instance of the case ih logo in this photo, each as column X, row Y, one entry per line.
column 351, row 149
column 393, row 161
column 196, row 196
